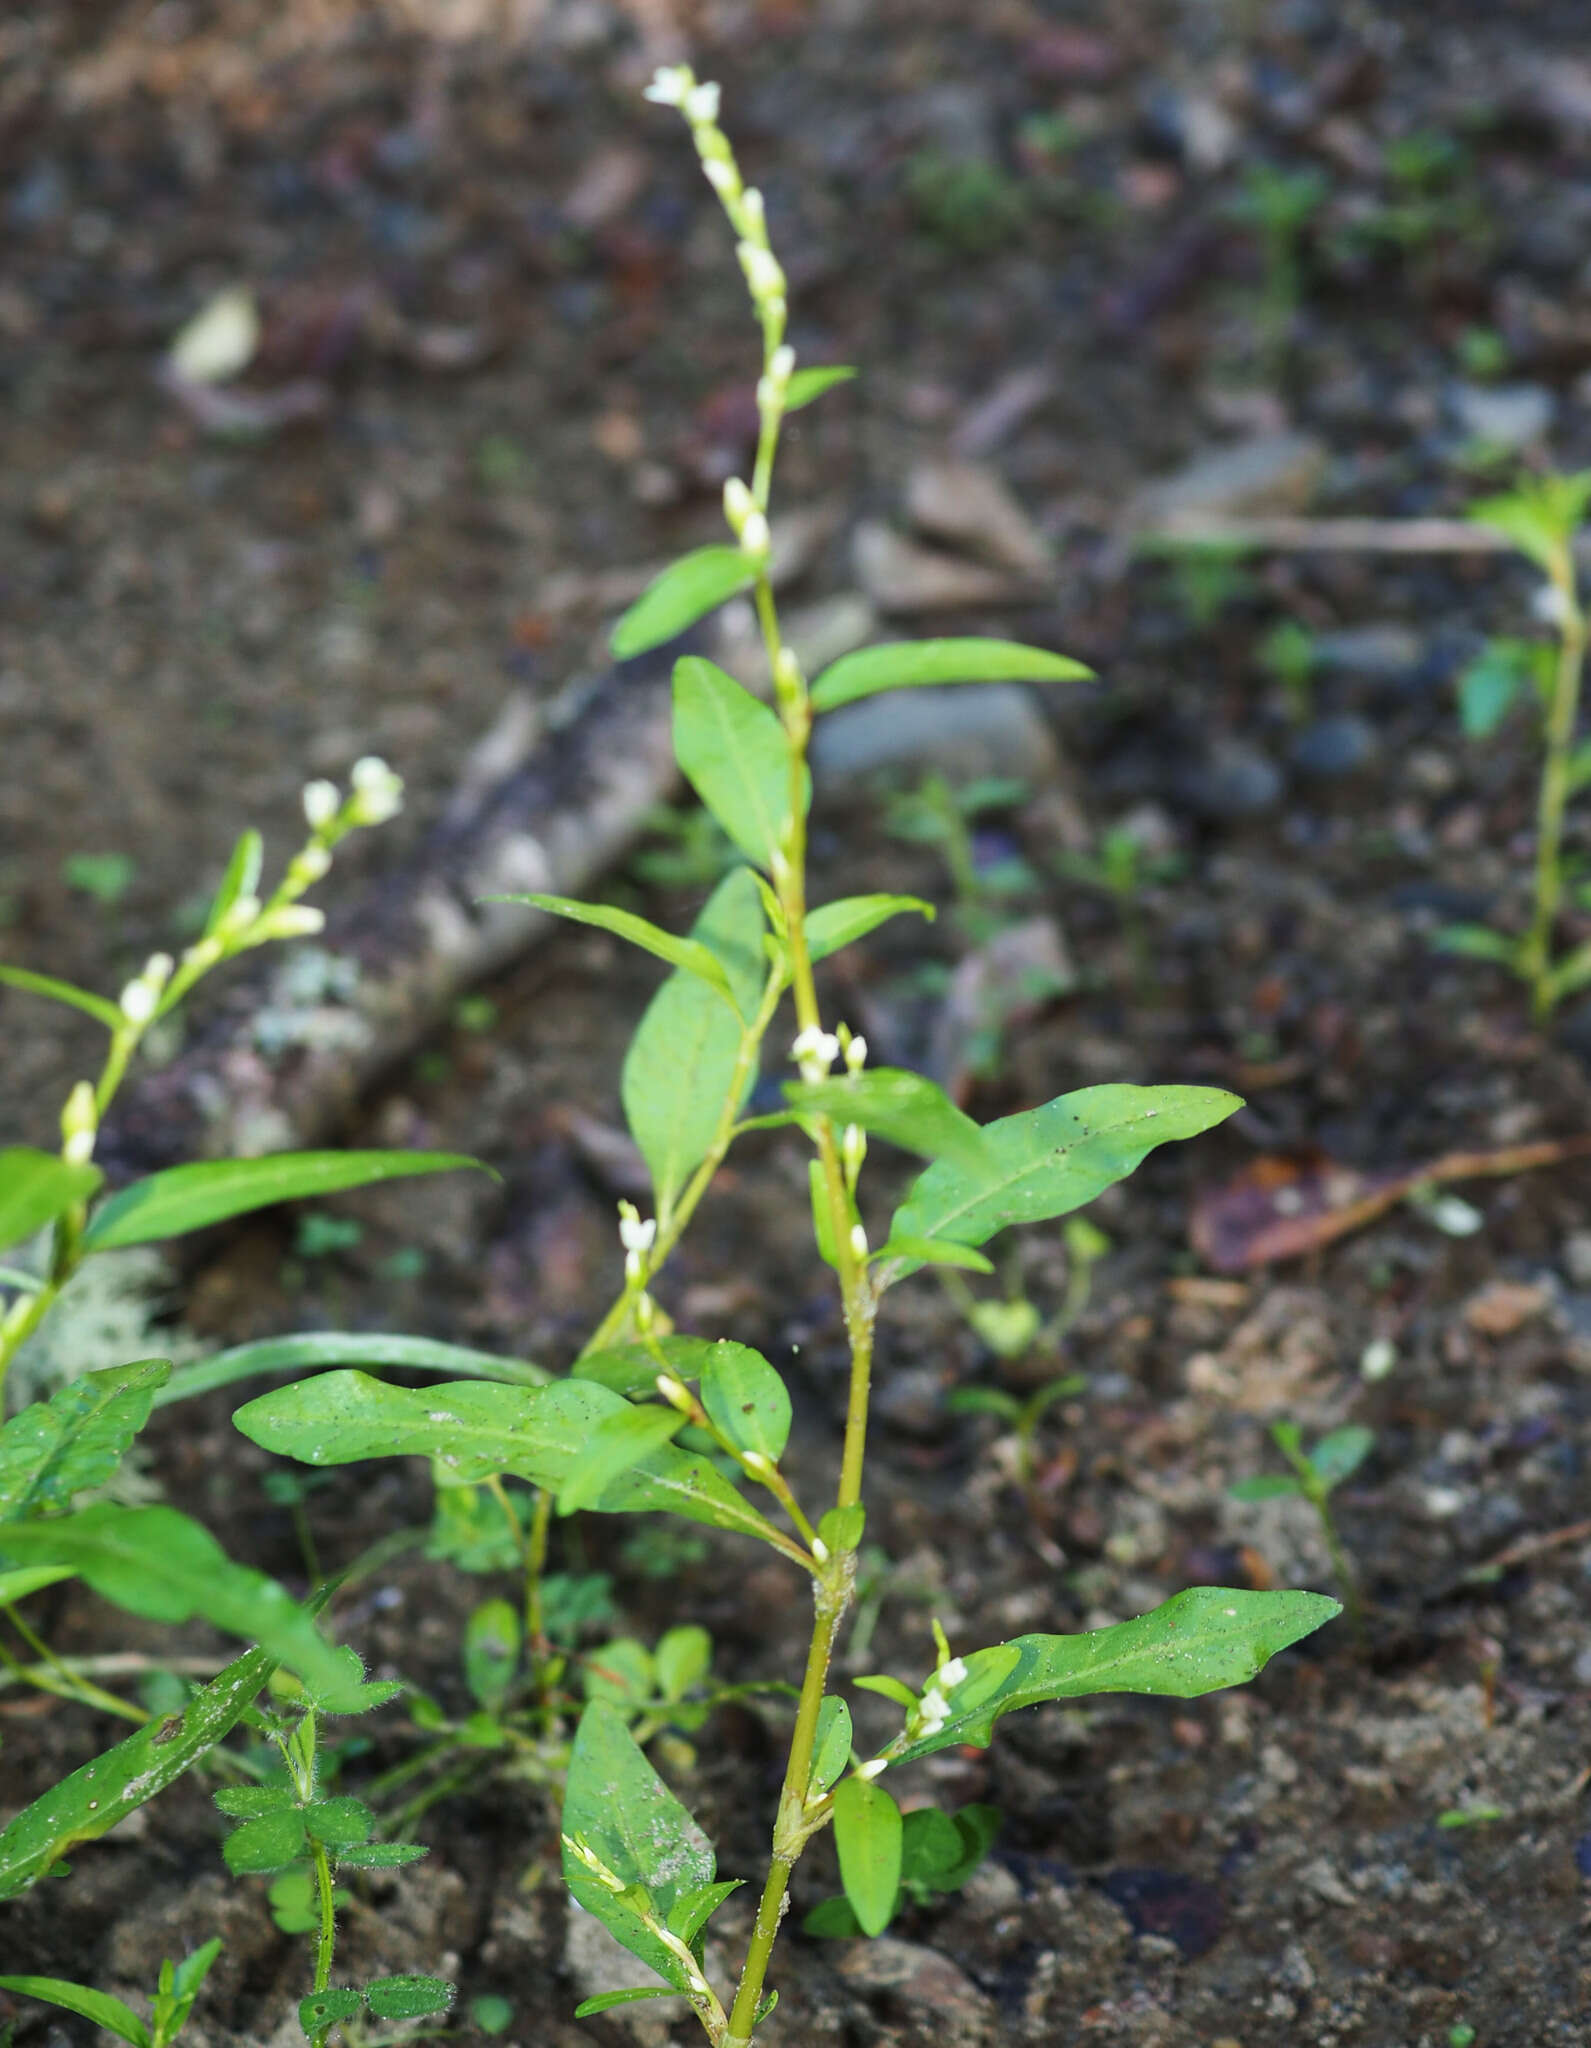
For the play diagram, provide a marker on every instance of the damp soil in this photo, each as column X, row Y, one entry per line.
column 517, row 310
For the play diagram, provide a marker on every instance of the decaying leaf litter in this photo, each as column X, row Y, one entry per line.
column 1227, row 1873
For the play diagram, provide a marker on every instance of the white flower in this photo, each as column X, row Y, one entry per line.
column 950, row 1675
column 814, row 1052
column 724, row 178
column 763, row 274
column 701, row 105
column 781, row 364
column 138, row 1002
column 874, row 1768
column 322, row 801
column 634, row 1234
column 856, row 1055
column 670, row 84
column 853, row 1150
column 378, row 793
column 933, row 1711
column 755, row 216
column 755, row 539
column 858, row 1241
column 739, row 505
column 673, row 1392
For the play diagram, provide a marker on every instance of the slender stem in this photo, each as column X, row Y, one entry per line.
column 1562, row 716
column 51, row 1675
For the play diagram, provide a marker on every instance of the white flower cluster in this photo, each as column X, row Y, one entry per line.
column 746, row 520
column 814, row 1051
column 933, row 1709
column 637, row 1237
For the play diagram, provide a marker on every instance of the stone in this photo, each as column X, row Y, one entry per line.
column 965, row 731
column 968, row 505
column 1334, row 746
column 1234, row 779
column 1269, row 473
column 899, row 575
column 939, row 2004
column 1507, row 416
column 1381, row 652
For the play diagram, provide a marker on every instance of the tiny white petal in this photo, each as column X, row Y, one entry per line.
column 701, row 103
column 875, row 1767
column 138, row 1001
column 322, row 801
column 951, row 1674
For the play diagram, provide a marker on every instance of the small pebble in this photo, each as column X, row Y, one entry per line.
column 1338, row 745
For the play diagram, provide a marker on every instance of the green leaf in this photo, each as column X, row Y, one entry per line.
column 1337, row 1456
column 54, row 1449
column 927, row 1251
column 906, row 1108
column 622, row 1672
column 491, row 1652
column 837, row 924
column 1045, row 1162
column 187, row 1198
column 156, row 1562
column 249, row 1802
column 680, row 1068
column 867, row 1839
column 1266, row 1486
column 174, row 2001
column 264, row 1845
column 683, row 1658
column 36, row 1187
column 18, row 1585
column 619, row 1442
column 606, row 2000
column 323, row 2009
column 408, row 1998
column 735, row 755
column 691, row 1913
column 978, row 1826
column 382, row 1855
column 806, row 385
column 746, row 1399
column 931, row 1848
column 984, row 1401
column 1477, row 942
column 1488, row 686
column 88, row 2004
column 888, row 1688
column 618, row 1805
column 242, row 878
column 841, row 1528
column 832, row 1920
column 689, row 954
column 831, row 1752
column 93, row 1798
column 1197, row 1642
column 477, row 1430
column 1539, row 515
column 908, row 664
column 63, row 992
column 340, row 1823
column 312, row 1349
column 687, row 590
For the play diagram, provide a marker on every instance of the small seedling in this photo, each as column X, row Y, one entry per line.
column 1279, row 206
column 1541, row 516
column 1315, row 1476
column 179, row 1984
column 1288, row 654
column 939, row 815
column 1022, row 1416
column 105, row 876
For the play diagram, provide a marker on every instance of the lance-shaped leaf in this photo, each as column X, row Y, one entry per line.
column 806, row 385
column 735, row 755
column 687, row 590
column 242, row 878
column 927, row 1251
column 907, row 1108
column 1046, row 1162
column 680, row 1068
column 187, row 1198
column 746, row 1399
column 475, row 1430
column 97, row 1007
column 158, row 1563
column 831, row 1752
column 833, row 925
column 1338, row 1456
column 408, row 1997
column 36, row 1187
column 689, row 954
column 619, row 1442
column 908, row 664
column 93, row 1798
column 867, row 1839
column 1196, row 1642
column 61, row 1447
column 98, row 2006
column 619, row 1809
column 312, row 1349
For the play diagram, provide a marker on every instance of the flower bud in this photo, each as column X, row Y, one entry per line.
column 670, row 84
column 138, row 1002
column 310, row 863
column 79, row 1125
column 240, row 915
column 701, row 105
column 764, row 277
column 739, row 505
column 724, row 178
column 378, row 792
column 755, row 539
column 856, row 1054
column 294, row 921
column 753, row 215
column 814, row 1052
column 674, row 1393
column 858, row 1241
column 635, row 1234
column 322, row 801
column 875, row 1767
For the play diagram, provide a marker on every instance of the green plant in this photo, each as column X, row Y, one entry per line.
column 940, row 815
column 1315, row 1476
column 966, row 204
column 1288, row 653
column 178, row 1985
column 1541, row 516
column 612, row 1437
column 105, row 876
column 650, row 1420
column 1279, row 206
